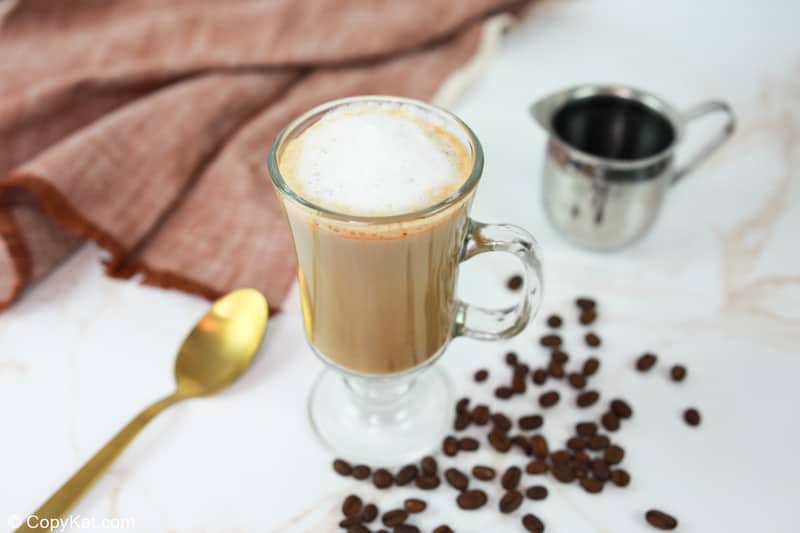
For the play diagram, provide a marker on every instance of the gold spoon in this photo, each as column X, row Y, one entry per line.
column 215, row 353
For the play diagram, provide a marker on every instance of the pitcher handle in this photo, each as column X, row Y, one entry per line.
column 698, row 111
column 494, row 324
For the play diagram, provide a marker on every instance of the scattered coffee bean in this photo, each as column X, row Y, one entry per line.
column 692, row 416
column 559, row 357
column 415, row 505
column 468, row 444
column 587, row 317
column 590, row 366
column 560, row 457
column 580, row 471
column 462, row 406
column 588, row 398
column 556, row 370
column 518, row 384
column 585, row 303
column 394, row 517
column 678, row 373
column 646, row 362
column 621, row 408
column 349, row 522
column 342, row 467
column 462, row 421
column 514, row 283
column 536, row 492
column 499, row 441
column 456, row 479
column 481, row 375
column 554, row 321
column 536, row 467
column 358, row 528
column 512, row 358
column 522, row 442
column 600, row 470
column 471, row 499
column 592, row 339
column 580, row 457
column 501, row 422
column 382, row 478
column 480, row 415
column 550, row 340
column 427, row 482
column 369, row 513
column 530, row 422
column 484, row 473
column 592, row 485
column 510, row 501
column 361, row 472
column 450, row 446
column 540, row 447
column 382, row 531
column 429, row 465
column 660, row 519
column 503, row 392
column 610, row 421
column 406, row 475
column 620, row 478
column 352, row 505
column 586, row 429
column 576, row 443
column 443, row 529
column 549, row 398
column 532, row 523
column 539, row 376
column 563, row 472
column 406, row 528
column 511, row 478
column 613, row 455
column 599, row 442
column 577, row 380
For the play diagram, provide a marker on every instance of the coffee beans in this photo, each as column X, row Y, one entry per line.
column 443, row 529
column 511, row 478
column 510, row 501
column 692, row 416
column 577, row 380
column 514, row 283
column 530, row 422
column 499, row 441
column 470, row 500
column 429, row 465
column 576, row 443
column 342, row 467
column 501, row 422
column 610, row 421
column 394, row 518
column 678, row 373
column 646, row 362
column 369, row 513
column 621, row 408
column 468, row 444
column 620, row 478
column 549, row 398
column 361, row 472
column 406, row 528
column 450, row 446
column 560, row 357
column 592, row 339
column 415, row 505
column 540, row 446
column 587, row 317
column 462, row 421
column 480, row 415
column 358, row 528
column 484, row 473
column 537, row 466
column 427, row 482
column 588, row 398
column 456, row 479
column 539, row 376
column 503, row 392
column 585, row 303
column 352, row 505
column 563, row 472
column 481, row 375
column 406, row 475
column 599, row 442
column 585, row 429
column 660, row 519
column 600, row 470
column 536, row 492
column 590, row 366
column 532, row 523
column 554, row 321
column 550, row 341
column 592, row 485
column 462, row 405
column 613, row 455
column 382, row 478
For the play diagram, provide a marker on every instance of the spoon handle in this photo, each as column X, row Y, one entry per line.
column 71, row 491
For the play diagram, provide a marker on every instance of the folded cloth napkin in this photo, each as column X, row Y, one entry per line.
column 144, row 125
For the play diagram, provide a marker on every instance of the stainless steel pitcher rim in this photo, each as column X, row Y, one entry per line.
column 545, row 109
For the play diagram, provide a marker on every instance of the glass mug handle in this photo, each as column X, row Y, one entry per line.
column 494, row 324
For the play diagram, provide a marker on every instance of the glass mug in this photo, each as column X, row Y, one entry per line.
column 379, row 305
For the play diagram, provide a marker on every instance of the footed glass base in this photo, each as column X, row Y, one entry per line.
column 381, row 422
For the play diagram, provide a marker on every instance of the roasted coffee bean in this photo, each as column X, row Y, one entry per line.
column 382, row 478
column 342, row 467
column 580, row 457
column 504, row 393
column 554, row 321
column 677, row 373
column 394, row 517
column 350, row 521
column 468, row 444
column 540, row 447
column 382, row 531
column 587, row 317
column 415, row 505
column 586, row 429
column 462, row 422
column 518, row 384
column 481, row 375
column 599, row 442
column 613, row 455
column 660, row 519
column 550, row 340
column 522, row 442
column 510, row 501
column 361, row 472
column 443, row 529
column 588, row 398
column 480, row 415
column 462, row 406
column 530, row 422
column 427, row 482
column 621, row 408
column 576, row 443
column 358, row 528
column 532, row 523
column 406, row 475
column 556, row 370
column 560, row 457
column 471, row 499
column 352, row 505
column 646, row 362
column 610, row 421
column 369, row 513
column 536, row 467
column 511, row 358
column 592, row 339
column 559, row 357
column 620, row 478
column 585, row 303
column 484, row 473
column 429, row 465
column 592, row 485
column 406, row 528
column 456, row 479
column 539, row 376
column 549, row 398
column 450, row 446
column 536, row 492
column 692, row 416
column 501, row 422
column 590, row 366
column 563, row 472
column 579, row 471
column 514, row 283
column 600, row 470
column 499, row 441
column 511, row 478
column 577, row 380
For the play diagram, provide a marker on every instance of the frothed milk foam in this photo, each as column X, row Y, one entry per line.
column 377, row 298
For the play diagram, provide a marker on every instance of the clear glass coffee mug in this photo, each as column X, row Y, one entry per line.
column 379, row 306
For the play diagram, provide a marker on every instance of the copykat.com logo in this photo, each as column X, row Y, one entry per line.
column 70, row 523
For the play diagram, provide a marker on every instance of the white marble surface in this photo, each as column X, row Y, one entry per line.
column 716, row 286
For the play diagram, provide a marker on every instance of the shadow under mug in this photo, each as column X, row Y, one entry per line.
column 379, row 305
column 609, row 159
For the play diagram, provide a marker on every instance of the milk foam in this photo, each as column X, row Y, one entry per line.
column 376, row 159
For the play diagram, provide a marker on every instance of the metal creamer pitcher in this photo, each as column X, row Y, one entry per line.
column 609, row 159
